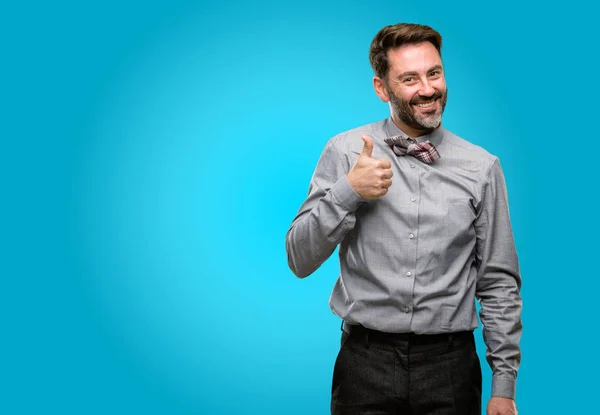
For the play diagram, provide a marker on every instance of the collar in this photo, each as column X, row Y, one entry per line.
column 435, row 137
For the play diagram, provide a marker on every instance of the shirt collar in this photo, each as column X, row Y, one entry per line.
column 435, row 137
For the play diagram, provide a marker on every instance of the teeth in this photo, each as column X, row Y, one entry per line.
column 426, row 104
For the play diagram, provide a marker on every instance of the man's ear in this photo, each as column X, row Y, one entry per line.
column 380, row 89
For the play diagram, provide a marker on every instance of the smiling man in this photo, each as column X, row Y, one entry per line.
column 421, row 219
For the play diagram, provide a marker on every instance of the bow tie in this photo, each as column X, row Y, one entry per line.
column 425, row 151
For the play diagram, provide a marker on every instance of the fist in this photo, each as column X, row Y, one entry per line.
column 370, row 177
column 501, row 406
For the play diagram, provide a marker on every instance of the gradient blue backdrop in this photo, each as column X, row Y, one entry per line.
column 155, row 153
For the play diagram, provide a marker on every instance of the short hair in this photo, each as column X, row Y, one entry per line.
column 394, row 36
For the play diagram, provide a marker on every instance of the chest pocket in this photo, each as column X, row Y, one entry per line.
column 458, row 210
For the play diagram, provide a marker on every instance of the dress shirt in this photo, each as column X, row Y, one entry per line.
column 416, row 259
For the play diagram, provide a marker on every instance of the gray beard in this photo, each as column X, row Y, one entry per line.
column 406, row 113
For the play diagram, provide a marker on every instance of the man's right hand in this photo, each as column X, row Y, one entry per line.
column 369, row 177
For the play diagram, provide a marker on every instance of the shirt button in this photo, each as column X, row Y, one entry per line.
column 412, row 165
column 406, row 309
column 413, row 199
column 408, row 274
column 411, row 235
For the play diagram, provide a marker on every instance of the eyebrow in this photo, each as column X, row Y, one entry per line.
column 413, row 73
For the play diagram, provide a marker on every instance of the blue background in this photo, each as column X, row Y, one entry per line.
column 155, row 153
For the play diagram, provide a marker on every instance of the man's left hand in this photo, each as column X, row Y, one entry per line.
column 501, row 406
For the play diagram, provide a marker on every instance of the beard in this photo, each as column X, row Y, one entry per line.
column 406, row 113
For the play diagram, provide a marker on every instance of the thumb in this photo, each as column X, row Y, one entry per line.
column 368, row 147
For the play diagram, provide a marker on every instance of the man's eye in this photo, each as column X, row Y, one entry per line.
column 408, row 79
column 434, row 73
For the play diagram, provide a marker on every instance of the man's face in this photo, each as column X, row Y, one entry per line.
column 416, row 85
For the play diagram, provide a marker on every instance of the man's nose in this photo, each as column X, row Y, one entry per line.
column 426, row 89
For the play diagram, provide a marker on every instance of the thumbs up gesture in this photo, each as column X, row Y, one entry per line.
column 370, row 177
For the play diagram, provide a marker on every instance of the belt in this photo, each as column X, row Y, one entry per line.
column 411, row 338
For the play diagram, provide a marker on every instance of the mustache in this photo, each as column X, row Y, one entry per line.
column 420, row 99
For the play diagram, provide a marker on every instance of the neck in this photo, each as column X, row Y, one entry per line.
column 412, row 132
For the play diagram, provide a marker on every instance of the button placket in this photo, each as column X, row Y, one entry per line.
column 412, row 235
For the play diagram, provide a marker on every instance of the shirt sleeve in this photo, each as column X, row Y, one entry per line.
column 498, row 285
column 324, row 218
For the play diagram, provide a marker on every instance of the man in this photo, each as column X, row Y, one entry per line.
column 422, row 223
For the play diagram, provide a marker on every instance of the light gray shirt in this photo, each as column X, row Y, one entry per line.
column 416, row 259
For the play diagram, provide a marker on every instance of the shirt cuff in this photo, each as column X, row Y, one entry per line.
column 504, row 387
column 345, row 196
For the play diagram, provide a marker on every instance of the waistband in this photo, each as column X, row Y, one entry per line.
column 410, row 338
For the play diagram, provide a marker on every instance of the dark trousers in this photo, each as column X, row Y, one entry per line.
column 406, row 374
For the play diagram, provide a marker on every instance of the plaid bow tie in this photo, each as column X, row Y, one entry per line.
column 425, row 151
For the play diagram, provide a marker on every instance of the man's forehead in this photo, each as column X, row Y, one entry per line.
column 413, row 57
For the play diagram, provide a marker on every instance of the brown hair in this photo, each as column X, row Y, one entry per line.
column 391, row 37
